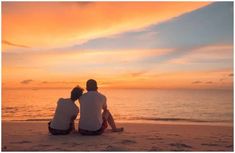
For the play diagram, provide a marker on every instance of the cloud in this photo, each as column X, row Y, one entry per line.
column 226, row 77
column 82, row 58
column 214, row 55
column 196, row 82
column 84, row 4
column 13, row 44
column 59, row 82
column 26, row 81
column 209, row 25
column 200, row 82
column 222, row 79
column 62, row 24
column 206, row 33
column 137, row 74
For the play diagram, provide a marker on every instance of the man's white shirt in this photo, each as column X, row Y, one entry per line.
column 91, row 105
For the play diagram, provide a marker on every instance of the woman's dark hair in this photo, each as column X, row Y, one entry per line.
column 76, row 93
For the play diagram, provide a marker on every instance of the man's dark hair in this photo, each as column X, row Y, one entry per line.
column 91, row 85
column 76, row 93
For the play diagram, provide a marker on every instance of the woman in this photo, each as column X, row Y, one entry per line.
column 65, row 114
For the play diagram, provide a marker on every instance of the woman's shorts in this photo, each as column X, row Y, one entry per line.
column 60, row 132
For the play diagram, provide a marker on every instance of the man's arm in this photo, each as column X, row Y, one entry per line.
column 105, row 107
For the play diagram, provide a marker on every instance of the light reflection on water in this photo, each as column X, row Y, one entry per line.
column 128, row 104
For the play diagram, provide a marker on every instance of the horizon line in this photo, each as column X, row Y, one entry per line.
column 132, row 88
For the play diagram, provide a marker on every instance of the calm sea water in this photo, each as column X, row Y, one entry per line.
column 128, row 104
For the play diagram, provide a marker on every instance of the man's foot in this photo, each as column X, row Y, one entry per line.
column 118, row 130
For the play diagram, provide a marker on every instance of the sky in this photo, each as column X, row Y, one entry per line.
column 164, row 45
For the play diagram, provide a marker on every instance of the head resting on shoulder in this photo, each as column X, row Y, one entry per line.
column 91, row 85
column 76, row 93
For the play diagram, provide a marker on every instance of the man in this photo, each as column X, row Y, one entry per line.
column 65, row 114
column 92, row 120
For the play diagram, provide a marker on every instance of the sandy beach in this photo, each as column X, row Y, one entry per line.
column 34, row 136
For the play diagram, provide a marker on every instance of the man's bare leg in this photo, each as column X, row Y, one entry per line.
column 108, row 116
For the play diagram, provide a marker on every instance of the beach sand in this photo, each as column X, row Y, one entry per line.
column 34, row 136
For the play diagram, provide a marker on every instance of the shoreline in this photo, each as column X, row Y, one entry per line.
column 34, row 136
column 214, row 123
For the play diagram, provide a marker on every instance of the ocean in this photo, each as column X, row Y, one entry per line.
column 127, row 105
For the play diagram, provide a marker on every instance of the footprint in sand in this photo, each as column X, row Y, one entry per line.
column 4, row 148
column 229, row 146
column 21, row 142
column 155, row 149
column 171, row 134
column 115, row 148
column 75, row 144
column 44, row 145
column 221, row 141
column 155, row 138
column 159, row 139
column 151, row 138
column 180, row 145
column 209, row 144
column 128, row 142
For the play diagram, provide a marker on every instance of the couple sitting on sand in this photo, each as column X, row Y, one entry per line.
column 93, row 121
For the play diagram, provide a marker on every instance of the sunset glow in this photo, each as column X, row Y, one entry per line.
column 167, row 45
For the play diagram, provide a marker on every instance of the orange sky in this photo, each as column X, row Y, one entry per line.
column 43, row 46
column 43, row 24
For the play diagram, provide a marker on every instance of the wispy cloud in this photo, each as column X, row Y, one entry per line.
column 226, row 77
column 183, row 32
column 207, row 54
column 201, row 82
column 14, row 44
column 59, row 82
column 196, row 82
column 86, row 20
column 180, row 51
column 84, row 4
column 137, row 74
column 26, row 81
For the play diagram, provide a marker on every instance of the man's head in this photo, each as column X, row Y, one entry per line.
column 91, row 85
column 76, row 93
